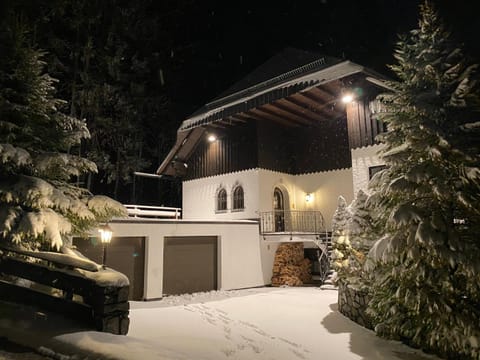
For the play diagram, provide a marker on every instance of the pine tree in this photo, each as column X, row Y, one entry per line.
column 359, row 233
column 38, row 202
column 426, row 288
column 340, row 242
column 359, row 223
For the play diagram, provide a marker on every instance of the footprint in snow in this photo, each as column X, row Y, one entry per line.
column 210, row 320
column 248, row 324
column 247, row 339
column 298, row 354
column 229, row 352
column 289, row 342
column 225, row 318
column 240, row 347
column 261, row 332
column 257, row 349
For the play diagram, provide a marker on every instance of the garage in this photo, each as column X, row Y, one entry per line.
column 124, row 254
column 190, row 264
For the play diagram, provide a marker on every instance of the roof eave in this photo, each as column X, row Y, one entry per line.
column 334, row 72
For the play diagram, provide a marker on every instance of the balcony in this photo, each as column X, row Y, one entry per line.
column 292, row 222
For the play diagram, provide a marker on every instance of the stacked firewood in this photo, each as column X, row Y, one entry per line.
column 290, row 267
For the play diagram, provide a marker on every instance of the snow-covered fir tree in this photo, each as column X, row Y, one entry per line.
column 340, row 218
column 426, row 286
column 360, row 236
column 341, row 248
column 351, row 239
column 359, row 223
column 39, row 203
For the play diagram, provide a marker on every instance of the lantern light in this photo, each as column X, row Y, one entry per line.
column 105, row 237
column 105, row 233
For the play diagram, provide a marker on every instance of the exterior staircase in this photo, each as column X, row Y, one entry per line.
column 324, row 242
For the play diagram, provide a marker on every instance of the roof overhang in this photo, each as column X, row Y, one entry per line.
column 304, row 100
column 301, row 83
column 175, row 163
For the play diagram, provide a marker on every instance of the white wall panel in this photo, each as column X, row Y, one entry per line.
column 362, row 159
column 245, row 260
column 198, row 199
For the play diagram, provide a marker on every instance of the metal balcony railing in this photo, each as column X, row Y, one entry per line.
column 291, row 221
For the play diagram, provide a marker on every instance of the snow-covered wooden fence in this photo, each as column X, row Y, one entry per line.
column 143, row 211
column 92, row 295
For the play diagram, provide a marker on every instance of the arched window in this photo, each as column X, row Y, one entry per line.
column 237, row 195
column 279, row 210
column 222, row 200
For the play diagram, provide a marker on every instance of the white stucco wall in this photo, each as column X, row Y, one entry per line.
column 268, row 180
column 362, row 159
column 259, row 184
column 326, row 187
column 245, row 260
column 198, row 196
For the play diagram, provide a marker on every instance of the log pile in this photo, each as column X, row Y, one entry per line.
column 290, row 268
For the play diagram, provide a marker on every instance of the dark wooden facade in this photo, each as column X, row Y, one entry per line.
column 267, row 145
column 299, row 127
column 362, row 126
column 234, row 150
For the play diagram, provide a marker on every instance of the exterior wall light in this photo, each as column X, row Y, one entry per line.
column 347, row 98
column 212, row 138
column 105, row 237
column 309, row 197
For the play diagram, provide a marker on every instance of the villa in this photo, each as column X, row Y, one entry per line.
column 262, row 164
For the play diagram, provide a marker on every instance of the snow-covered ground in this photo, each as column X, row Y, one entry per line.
column 263, row 323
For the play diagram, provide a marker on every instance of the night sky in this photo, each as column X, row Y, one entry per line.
column 216, row 43
column 196, row 49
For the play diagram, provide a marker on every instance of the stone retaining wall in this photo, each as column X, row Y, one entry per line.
column 352, row 303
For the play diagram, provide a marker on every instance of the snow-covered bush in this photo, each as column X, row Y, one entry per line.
column 351, row 239
column 340, row 243
column 39, row 199
column 341, row 247
column 361, row 236
column 424, row 205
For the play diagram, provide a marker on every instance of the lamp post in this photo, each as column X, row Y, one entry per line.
column 105, row 237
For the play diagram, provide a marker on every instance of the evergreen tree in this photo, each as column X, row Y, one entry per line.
column 426, row 287
column 350, row 239
column 359, row 234
column 38, row 202
column 340, row 242
column 359, row 223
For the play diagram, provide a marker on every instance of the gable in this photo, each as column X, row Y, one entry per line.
column 303, row 97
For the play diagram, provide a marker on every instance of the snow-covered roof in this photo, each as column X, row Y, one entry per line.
column 292, row 72
column 285, row 65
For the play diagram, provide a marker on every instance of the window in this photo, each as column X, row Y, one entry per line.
column 238, row 203
column 372, row 170
column 221, row 200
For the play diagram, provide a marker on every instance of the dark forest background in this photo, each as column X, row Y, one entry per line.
column 135, row 69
